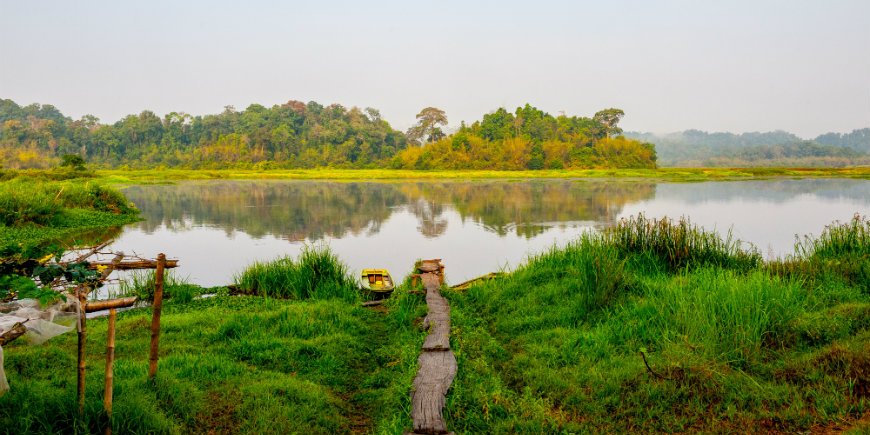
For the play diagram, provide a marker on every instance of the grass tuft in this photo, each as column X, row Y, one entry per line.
column 680, row 244
column 317, row 274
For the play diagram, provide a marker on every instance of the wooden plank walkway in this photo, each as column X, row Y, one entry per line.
column 437, row 362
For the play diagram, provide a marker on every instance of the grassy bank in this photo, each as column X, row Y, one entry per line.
column 665, row 174
column 656, row 327
column 38, row 209
column 312, row 363
column 653, row 326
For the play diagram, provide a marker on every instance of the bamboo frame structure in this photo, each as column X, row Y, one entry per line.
column 155, row 319
column 110, row 376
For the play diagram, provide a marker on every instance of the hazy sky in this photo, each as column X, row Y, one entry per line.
column 796, row 65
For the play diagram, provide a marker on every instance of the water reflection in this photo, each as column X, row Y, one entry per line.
column 299, row 211
column 217, row 228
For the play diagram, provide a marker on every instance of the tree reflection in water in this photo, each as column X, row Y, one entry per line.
column 313, row 210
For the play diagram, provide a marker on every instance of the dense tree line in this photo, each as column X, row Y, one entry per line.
column 776, row 148
column 294, row 134
column 529, row 138
column 300, row 135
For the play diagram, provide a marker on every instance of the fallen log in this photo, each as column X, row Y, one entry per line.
column 135, row 264
column 92, row 251
column 466, row 284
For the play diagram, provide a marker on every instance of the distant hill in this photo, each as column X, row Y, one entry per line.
column 775, row 148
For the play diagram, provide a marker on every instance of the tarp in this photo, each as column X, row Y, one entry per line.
column 42, row 323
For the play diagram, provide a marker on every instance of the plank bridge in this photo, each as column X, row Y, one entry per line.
column 437, row 361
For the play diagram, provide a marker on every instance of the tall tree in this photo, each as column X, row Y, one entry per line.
column 609, row 118
column 427, row 127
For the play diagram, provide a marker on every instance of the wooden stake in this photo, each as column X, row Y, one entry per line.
column 82, row 296
column 110, row 377
column 155, row 319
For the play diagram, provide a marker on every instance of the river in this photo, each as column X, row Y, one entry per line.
column 216, row 228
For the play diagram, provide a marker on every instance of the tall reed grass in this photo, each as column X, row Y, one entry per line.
column 680, row 244
column 142, row 285
column 317, row 274
column 728, row 317
column 841, row 252
column 838, row 240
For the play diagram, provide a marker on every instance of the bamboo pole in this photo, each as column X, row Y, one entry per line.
column 81, row 294
column 155, row 319
column 111, row 304
column 110, row 376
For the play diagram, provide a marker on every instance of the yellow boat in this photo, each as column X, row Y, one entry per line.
column 377, row 280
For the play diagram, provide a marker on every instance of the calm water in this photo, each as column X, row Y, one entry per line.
column 216, row 228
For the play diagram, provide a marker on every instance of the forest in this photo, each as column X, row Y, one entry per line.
column 693, row 148
column 530, row 138
column 311, row 135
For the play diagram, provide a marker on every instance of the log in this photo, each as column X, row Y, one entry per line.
column 438, row 318
column 17, row 330
column 110, row 304
column 111, row 266
column 135, row 264
column 428, row 266
column 436, row 373
column 437, row 362
column 155, row 318
column 466, row 284
column 92, row 251
column 110, row 376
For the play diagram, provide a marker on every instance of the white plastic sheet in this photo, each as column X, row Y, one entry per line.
column 42, row 323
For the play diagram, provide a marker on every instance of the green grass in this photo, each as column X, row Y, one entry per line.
column 229, row 365
column 647, row 327
column 679, row 244
column 558, row 346
column 666, row 174
column 317, row 274
column 142, row 284
column 36, row 212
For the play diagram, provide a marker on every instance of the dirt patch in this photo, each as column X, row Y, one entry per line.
column 221, row 415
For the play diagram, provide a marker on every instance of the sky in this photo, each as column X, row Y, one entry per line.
column 797, row 65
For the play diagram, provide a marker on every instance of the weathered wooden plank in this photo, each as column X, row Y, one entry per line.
column 437, row 362
column 438, row 319
column 437, row 370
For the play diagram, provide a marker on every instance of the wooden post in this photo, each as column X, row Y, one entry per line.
column 155, row 319
column 82, row 295
column 110, row 377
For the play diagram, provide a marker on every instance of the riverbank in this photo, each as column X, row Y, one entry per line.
column 649, row 327
column 661, row 174
column 47, row 208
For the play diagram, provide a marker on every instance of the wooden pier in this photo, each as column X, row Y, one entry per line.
column 437, row 362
